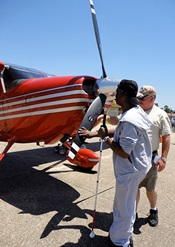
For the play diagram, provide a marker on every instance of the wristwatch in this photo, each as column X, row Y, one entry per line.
column 164, row 159
column 106, row 138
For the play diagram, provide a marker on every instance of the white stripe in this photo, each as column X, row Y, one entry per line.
column 28, row 114
column 34, row 113
column 67, row 93
column 44, row 91
column 93, row 11
column 48, row 96
column 92, row 8
column 71, row 155
column 93, row 160
column 53, row 103
column 75, row 146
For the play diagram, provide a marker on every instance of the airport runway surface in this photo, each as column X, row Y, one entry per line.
column 47, row 202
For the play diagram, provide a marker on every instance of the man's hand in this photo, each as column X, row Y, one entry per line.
column 102, row 132
column 87, row 133
column 160, row 165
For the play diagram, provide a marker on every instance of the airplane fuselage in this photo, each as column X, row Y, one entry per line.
column 43, row 109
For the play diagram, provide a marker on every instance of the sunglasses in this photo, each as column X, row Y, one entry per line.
column 142, row 98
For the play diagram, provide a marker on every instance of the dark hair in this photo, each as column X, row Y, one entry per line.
column 130, row 87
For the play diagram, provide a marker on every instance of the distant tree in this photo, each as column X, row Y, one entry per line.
column 167, row 109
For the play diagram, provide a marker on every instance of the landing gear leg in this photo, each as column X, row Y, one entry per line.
column 61, row 148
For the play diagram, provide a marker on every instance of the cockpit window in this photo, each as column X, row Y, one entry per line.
column 14, row 75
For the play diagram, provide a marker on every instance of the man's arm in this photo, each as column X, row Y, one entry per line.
column 161, row 164
column 87, row 133
column 116, row 148
column 90, row 134
column 165, row 145
column 165, row 149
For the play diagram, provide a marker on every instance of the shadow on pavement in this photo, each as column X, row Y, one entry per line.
column 103, row 222
column 36, row 192
column 138, row 224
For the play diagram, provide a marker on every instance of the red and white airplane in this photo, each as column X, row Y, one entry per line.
column 39, row 107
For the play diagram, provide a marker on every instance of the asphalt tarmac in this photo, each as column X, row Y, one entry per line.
column 47, row 202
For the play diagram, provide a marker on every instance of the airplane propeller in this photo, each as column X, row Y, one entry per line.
column 101, row 88
column 97, row 35
column 89, row 119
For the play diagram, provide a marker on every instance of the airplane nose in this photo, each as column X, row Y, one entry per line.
column 106, row 86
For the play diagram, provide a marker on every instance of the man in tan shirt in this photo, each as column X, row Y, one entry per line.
column 161, row 127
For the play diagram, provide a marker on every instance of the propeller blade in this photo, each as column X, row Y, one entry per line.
column 88, row 122
column 97, row 35
column 96, row 107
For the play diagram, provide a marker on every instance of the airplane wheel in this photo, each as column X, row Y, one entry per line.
column 60, row 149
column 56, row 149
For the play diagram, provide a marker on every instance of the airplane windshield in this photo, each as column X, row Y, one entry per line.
column 26, row 73
column 14, row 76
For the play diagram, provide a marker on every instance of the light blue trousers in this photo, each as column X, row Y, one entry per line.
column 124, row 208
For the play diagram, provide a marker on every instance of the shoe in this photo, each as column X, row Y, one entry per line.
column 153, row 218
column 112, row 244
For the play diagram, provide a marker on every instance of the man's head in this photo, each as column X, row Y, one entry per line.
column 146, row 97
column 130, row 89
column 146, row 91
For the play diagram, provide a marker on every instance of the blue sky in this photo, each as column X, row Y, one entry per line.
column 137, row 37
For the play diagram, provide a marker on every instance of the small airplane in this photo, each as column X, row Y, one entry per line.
column 39, row 107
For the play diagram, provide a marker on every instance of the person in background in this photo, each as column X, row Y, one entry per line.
column 161, row 127
column 172, row 123
column 132, row 155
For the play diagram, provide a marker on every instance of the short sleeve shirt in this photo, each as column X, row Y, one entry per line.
column 161, row 125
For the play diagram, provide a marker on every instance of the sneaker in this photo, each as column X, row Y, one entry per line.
column 153, row 218
column 110, row 243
